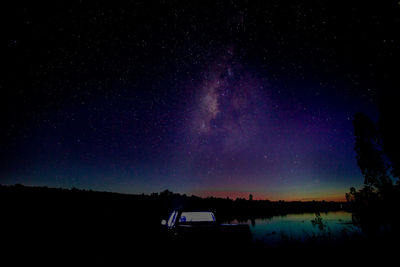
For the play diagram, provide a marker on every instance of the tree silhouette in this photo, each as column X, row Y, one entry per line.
column 376, row 146
column 368, row 146
column 389, row 132
column 318, row 221
column 351, row 196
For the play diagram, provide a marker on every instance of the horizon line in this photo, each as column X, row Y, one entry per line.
column 239, row 195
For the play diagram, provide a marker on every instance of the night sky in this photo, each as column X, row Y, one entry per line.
column 206, row 98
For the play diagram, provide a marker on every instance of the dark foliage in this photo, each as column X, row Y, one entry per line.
column 377, row 147
column 318, row 221
column 369, row 154
column 390, row 132
column 157, row 206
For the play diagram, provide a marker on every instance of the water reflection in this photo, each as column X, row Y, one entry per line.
column 331, row 226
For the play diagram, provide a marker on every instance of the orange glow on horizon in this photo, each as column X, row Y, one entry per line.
column 260, row 196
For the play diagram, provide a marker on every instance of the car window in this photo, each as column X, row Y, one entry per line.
column 197, row 217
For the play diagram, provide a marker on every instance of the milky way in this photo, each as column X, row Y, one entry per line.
column 229, row 101
column 227, row 113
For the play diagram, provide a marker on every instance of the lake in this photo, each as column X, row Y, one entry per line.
column 331, row 226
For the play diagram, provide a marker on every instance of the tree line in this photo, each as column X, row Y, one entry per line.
column 44, row 201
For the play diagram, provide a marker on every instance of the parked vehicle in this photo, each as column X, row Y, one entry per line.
column 201, row 228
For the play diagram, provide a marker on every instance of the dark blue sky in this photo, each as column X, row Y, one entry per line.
column 218, row 98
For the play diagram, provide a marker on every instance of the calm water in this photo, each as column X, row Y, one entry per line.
column 299, row 227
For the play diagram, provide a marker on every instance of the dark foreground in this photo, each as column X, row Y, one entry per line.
column 69, row 227
column 118, row 244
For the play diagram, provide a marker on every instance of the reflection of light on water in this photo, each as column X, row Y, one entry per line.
column 298, row 227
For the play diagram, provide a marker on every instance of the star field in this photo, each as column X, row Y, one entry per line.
column 220, row 98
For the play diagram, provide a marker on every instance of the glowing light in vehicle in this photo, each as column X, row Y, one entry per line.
column 197, row 217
